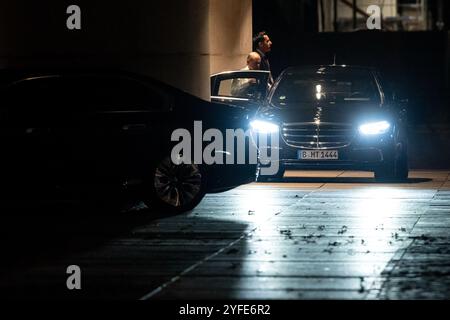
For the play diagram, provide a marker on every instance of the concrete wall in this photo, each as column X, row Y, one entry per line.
column 230, row 34
column 177, row 41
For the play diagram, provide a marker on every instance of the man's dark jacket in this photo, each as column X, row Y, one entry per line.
column 265, row 64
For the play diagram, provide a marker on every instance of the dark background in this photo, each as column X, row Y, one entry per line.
column 171, row 43
column 415, row 63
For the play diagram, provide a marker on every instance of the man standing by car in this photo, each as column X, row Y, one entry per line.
column 263, row 46
column 253, row 61
column 242, row 87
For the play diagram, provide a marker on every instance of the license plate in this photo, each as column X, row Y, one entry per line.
column 318, row 154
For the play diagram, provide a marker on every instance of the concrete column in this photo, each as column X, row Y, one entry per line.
column 173, row 43
column 230, row 34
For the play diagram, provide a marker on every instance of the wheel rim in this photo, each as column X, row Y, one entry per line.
column 177, row 185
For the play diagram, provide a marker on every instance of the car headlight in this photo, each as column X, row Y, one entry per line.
column 374, row 128
column 264, row 126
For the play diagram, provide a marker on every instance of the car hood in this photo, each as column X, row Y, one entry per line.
column 325, row 112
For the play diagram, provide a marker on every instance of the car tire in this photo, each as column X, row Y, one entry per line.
column 175, row 188
column 386, row 173
column 264, row 178
column 396, row 169
column 401, row 166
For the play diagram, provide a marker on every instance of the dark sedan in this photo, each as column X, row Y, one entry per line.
column 336, row 117
column 101, row 134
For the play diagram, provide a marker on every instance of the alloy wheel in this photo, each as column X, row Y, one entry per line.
column 177, row 185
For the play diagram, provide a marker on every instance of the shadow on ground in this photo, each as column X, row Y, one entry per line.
column 50, row 231
column 122, row 255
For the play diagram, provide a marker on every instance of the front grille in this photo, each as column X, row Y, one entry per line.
column 318, row 136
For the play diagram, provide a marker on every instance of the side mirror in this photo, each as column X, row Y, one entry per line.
column 402, row 102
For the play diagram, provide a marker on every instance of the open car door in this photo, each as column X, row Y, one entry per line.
column 247, row 89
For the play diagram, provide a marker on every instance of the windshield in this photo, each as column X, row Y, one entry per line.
column 328, row 86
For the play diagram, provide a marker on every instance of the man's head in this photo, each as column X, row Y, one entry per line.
column 254, row 61
column 262, row 42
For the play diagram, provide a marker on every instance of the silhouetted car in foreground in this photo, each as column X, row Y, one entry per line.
column 98, row 133
column 333, row 117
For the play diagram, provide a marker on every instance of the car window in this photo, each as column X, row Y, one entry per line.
column 53, row 95
column 35, row 100
column 246, row 88
column 122, row 94
column 326, row 87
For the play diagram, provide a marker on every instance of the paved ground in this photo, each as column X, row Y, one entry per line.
column 317, row 235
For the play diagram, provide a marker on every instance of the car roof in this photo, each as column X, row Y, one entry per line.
column 328, row 67
column 11, row 75
column 22, row 73
column 238, row 71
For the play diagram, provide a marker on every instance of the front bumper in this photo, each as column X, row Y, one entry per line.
column 365, row 155
column 356, row 159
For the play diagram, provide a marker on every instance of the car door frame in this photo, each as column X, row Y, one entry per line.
column 261, row 75
column 136, row 124
column 35, row 133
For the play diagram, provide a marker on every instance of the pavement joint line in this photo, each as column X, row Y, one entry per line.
column 199, row 263
column 341, row 174
column 194, row 266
